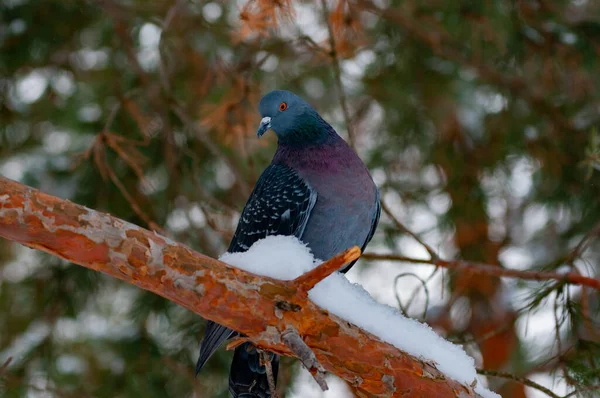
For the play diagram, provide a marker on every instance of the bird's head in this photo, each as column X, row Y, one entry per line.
column 292, row 119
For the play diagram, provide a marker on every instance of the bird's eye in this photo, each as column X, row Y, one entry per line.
column 282, row 106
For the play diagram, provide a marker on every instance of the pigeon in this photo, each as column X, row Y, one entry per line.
column 317, row 189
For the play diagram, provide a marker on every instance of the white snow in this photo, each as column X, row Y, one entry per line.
column 286, row 258
column 266, row 257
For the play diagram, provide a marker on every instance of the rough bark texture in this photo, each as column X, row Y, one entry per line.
column 260, row 307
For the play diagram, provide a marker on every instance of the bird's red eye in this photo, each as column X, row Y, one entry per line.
column 282, row 106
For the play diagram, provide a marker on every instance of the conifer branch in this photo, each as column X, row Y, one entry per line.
column 237, row 299
column 441, row 44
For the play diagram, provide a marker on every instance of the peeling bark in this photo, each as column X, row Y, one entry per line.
column 242, row 301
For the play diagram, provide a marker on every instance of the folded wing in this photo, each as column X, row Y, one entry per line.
column 280, row 204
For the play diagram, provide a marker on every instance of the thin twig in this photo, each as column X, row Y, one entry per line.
column 5, row 365
column 580, row 390
column 79, row 158
column 133, row 204
column 407, row 231
column 98, row 150
column 112, row 8
column 111, row 116
column 572, row 278
column 418, row 289
column 294, row 342
column 403, row 308
column 266, row 361
column 166, row 23
column 583, row 243
column 337, row 72
column 130, row 155
column 518, row 379
column 558, row 322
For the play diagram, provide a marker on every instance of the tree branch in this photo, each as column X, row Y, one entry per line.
column 573, row 278
column 237, row 299
column 518, row 379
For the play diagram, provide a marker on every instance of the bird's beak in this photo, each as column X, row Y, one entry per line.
column 265, row 124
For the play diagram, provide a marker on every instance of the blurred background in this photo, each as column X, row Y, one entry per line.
column 477, row 119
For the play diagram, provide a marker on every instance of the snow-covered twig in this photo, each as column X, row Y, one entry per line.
column 307, row 281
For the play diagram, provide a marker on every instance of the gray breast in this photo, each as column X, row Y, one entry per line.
column 342, row 216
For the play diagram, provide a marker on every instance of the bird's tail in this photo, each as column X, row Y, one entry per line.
column 247, row 377
column 214, row 336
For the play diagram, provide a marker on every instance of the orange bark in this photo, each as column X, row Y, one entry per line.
column 260, row 307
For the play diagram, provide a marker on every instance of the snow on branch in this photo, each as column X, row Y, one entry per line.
column 373, row 347
column 308, row 280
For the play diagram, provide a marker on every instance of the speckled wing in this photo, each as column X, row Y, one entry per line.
column 280, row 204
